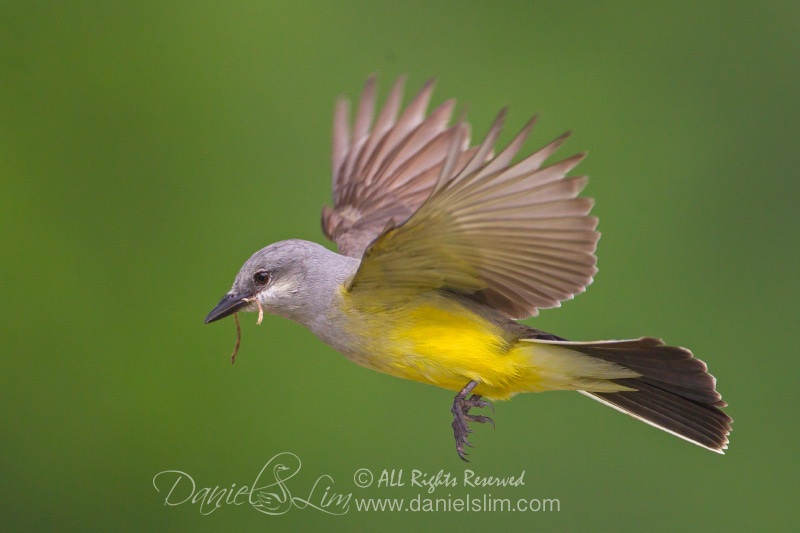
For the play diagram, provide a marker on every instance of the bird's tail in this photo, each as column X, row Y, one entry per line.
column 674, row 392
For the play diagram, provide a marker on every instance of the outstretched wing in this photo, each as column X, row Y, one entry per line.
column 386, row 171
column 516, row 237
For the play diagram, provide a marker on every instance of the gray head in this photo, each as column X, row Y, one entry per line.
column 294, row 279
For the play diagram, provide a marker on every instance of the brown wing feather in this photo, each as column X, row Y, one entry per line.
column 386, row 172
column 515, row 237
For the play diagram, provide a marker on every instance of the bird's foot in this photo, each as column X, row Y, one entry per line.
column 461, row 416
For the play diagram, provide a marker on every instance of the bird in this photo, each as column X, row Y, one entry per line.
column 442, row 248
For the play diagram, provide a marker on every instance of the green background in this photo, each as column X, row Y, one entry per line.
column 148, row 148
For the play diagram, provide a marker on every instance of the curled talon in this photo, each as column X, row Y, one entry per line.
column 478, row 403
column 479, row 419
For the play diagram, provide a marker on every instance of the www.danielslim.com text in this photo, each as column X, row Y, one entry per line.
column 484, row 503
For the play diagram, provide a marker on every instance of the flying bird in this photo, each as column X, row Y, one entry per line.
column 443, row 247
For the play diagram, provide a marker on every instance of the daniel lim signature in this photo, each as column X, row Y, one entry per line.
column 269, row 493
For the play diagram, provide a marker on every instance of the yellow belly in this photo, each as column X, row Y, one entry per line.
column 450, row 347
column 433, row 339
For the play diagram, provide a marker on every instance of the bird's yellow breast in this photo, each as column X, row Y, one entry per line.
column 433, row 339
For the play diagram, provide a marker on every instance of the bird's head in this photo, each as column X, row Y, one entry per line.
column 289, row 278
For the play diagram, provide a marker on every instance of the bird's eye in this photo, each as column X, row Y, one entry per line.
column 261, row 277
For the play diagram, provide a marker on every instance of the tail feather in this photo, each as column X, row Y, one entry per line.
column 707, row 396
column 675, row 392
column 672, row 414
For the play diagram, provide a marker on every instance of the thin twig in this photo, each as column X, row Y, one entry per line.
column 238, row 338
column 260, row 312
column 260, row 309
column 239, row 328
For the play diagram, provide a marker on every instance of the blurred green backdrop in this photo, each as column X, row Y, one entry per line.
column 148, row 148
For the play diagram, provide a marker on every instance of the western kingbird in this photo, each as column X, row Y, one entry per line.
column 442, row 247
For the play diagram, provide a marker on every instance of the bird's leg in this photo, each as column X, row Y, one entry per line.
column 461, row 416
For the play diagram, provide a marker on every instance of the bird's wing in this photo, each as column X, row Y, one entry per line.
column 385, row 171
column 515, row 237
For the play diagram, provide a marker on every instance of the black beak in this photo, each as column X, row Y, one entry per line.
column 229, row 304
